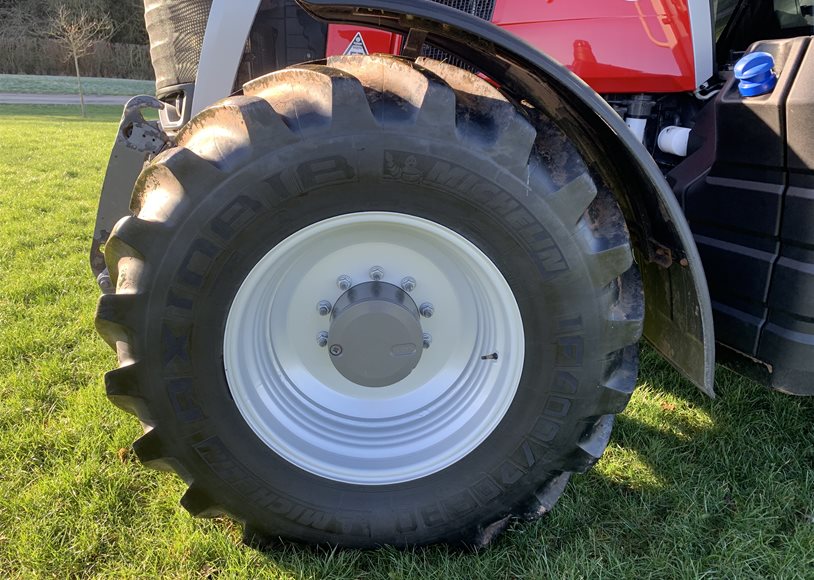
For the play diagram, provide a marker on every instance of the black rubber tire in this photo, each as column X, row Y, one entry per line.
column 371, row 133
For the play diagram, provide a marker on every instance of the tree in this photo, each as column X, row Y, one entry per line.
column 77, row 32
column 15, row 27
column 128, row 16
column 15, row 23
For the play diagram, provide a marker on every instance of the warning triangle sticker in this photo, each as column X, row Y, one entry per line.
column 357, row 45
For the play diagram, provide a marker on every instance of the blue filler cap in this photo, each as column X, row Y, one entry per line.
column 754, row 71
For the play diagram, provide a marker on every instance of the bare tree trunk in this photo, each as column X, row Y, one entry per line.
column 79, row 81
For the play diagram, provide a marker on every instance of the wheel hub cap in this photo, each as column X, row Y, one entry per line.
column 375, row 337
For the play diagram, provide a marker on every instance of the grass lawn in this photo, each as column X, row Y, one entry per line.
column 689, row 487
column 51, row 85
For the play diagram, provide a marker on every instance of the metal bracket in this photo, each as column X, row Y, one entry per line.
column 414, row 43
column 137, row 141
column 659, row 254
column 178, row 106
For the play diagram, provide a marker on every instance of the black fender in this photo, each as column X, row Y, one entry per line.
column 678, row 319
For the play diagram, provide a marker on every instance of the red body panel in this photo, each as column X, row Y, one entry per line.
column 616, row 46
column 340, row 37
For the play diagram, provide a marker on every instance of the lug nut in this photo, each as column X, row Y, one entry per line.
column 322, row 338
column 344, row 282
column 324, row 308
column 335, row 350
column 427, row 337
column 376, row 273
column 408, row 283
column 426, row 310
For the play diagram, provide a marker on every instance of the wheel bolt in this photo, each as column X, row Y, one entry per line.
column 427, row 339
column 344, row 282
column 322, row 338
column 426, row 310
column 376, row 273
column 324, row 308
column 335, row 350
column 408, row 284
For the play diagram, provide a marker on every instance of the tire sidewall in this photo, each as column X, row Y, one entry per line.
column 232, row 227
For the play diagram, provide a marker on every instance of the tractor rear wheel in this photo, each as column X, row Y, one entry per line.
column 371, row 303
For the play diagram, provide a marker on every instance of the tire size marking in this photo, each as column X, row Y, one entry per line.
column 197, row 262
column 327, row 171
column 235, row 217
column 175, row 344
column 217, row 456
column 182, row 395
column 414, row 169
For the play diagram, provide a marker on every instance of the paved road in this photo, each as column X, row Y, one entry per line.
column 40, row 99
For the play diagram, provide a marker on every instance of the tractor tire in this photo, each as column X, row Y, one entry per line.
column 371, row 303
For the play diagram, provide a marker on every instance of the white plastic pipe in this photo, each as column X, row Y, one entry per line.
column 674, row 140
column 637, row 125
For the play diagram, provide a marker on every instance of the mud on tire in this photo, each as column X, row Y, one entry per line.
column 371, row 134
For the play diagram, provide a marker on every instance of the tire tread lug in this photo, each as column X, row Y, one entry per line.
column 199, row 504
column 607, row 265
column 619, row 385
column 571, row 201
column 123, row 389
column 151, row 451
column 514, row 136
column 591, row 446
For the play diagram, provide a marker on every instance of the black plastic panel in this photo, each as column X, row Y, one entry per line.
column 793, row 288
column 752, row 213
column 787, row 341
column 799, row 114
column 789, row 352
column 758, row 211
column 738, row 327
column 748, row 129
column 739, row 272
column 736, row 207
column 283, row 34
column 798, row 224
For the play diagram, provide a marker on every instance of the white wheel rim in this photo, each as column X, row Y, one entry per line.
column 292, row 397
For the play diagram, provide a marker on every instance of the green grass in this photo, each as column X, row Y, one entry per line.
column 44, row 84
column 689, row 487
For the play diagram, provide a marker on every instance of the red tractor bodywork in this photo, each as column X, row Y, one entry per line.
column 616, row 46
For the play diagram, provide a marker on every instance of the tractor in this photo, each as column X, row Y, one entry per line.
column 378, row 273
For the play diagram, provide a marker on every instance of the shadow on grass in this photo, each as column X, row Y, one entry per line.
column 688, row 484
column 733, row 477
